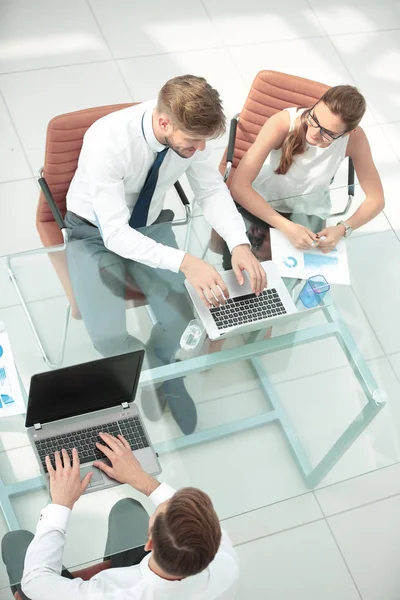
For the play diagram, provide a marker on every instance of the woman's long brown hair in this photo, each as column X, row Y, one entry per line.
column 344, row 101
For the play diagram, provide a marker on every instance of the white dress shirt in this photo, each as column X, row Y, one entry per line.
column 304, row 189
column 115, row 159
column 42, row 578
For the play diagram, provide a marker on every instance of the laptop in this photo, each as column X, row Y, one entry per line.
column 67, row 408
column 244, row 311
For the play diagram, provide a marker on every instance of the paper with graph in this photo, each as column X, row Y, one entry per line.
column 11, row 399
column 298, row 264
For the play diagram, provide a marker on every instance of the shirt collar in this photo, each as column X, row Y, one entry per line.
column 148, row 128
column 194, row 584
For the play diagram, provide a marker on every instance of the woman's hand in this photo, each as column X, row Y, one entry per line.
column 331, row 235
column 299, row 236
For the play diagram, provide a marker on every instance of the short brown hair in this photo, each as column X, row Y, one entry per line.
column 187, row 535
column 192, row 105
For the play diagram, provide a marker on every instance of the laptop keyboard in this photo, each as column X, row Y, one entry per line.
column 85, row 440
column 248, row 309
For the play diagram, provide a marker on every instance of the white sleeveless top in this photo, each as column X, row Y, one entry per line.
column 305, row 187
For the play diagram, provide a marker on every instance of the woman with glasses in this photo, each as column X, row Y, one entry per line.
column 284, row 177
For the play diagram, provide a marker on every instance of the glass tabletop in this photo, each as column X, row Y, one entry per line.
column 276, row 412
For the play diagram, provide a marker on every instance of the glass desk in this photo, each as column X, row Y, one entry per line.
column 276, row 410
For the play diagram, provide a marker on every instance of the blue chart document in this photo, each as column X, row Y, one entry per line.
column 302, row 265
column 11, row 399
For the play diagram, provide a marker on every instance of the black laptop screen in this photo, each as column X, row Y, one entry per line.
column 83, row 388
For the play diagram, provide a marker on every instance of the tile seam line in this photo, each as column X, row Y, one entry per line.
column 276, row 503
column 124, row 58
column 359, row 506
column 227, row 50
column 17, row 133
column 329, row 36
column 335, row 541
column 274, row 533
column 224, row 45
column 8, row 181
column 115, row 62
column 29, row 302
column 318, row 489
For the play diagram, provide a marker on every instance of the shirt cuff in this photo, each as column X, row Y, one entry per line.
column 55, row 516
column 162, row 493
column 171, row 259
column 236, row 239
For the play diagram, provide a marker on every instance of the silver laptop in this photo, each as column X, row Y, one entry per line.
column 67, row 408
column 244, row 311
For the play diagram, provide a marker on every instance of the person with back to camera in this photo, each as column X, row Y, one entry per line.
column 284, row 178
column 186, row 556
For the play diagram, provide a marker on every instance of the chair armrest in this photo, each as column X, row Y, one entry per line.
column 181, row 194
column 350, row 178
column 52, row 204
column 231, row 146
column 232, row 139
column 350, row 190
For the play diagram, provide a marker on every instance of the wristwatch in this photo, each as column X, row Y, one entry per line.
column 347, row 229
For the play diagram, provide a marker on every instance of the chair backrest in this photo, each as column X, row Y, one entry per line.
column 63, row 145
column 270, row 93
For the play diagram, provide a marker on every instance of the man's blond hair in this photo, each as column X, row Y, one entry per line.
column 193, row 106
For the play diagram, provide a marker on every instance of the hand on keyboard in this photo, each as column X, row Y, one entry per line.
column 244, row 260
column 125, row 467
column 66, row 486
column 248, row 309
column 84, row 440
column 205, row 279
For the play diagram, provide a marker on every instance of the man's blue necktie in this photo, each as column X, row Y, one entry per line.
column 141, row 209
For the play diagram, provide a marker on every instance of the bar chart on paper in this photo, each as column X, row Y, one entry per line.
column 3, row 376
column 313, row 261
column 11, row 399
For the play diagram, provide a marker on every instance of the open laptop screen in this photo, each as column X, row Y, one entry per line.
column 83, row 388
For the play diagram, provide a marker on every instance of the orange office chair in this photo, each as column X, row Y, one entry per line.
column 63, row 145
column 270, row 93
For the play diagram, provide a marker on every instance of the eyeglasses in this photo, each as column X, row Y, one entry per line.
column 325, row 134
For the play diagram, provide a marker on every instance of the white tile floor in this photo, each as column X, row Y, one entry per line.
column 57, row 56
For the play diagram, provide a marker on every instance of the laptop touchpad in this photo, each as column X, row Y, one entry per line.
column 97, row 477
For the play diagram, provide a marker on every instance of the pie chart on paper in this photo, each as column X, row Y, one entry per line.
column 290, row 262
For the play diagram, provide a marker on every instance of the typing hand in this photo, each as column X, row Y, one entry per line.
column 125, row 467
column 205, row 280
column 66, row 486
column 300, row 237
column 244, row 260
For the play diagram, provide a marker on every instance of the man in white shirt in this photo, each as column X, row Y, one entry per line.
column 129, row 160
column 186, row 555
